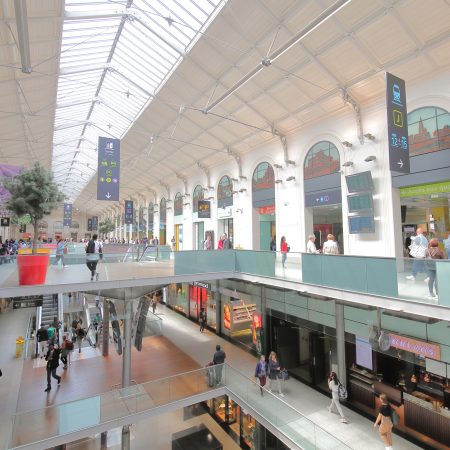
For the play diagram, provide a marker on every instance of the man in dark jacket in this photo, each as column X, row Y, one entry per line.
column 42, row 338
column 52, row 359
column 218, row 360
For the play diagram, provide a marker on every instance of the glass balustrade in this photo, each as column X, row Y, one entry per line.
column 107, row 408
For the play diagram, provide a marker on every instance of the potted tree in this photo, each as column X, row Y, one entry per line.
column 35, row 193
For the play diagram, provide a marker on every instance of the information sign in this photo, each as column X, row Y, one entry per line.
column 204, row 209
column 129, row 212
column 67, row 214
column 29, row 301
column 89, row 225
column 323, row 198
column 108, row 173
column 360, row 202
column 94, row 223
column 359, row 182
column 397, row 120
column 361, row 224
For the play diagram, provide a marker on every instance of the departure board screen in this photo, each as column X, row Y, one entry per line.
column 360, row 202
column 361, row 224
column 359, row 182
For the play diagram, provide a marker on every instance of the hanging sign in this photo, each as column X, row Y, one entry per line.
column 129, row 212
column 94, row 223
column 29, row 301
column 397, row 121
column 67, row 215
column 421, row 348
column 89, row 225
column 108, row 171
column 204, row 209
column 5, row 221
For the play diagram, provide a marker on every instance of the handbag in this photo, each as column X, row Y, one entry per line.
column 395, row 417
column 342, row 392
column 417, row 251
column 283, row 375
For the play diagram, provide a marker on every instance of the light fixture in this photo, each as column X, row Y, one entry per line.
column 234, row 192
column 278, row 181
column 20, row 7
column 369, row 136
column 186, row 204
column 278, row 166
column 168, row 208
column 347, row 164
column 370, row 158
column 347, row 144
column 289, row 161
column 239, row 210
column 234, row 179
column 243, row 190
column 211, row 188
column 242, row 177
column 169, row 200
column 291, row 178
column 210, row 198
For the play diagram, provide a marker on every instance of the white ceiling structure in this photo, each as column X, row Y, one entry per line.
column 189, row 84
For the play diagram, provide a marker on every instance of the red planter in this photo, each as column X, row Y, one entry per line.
column 32, row 268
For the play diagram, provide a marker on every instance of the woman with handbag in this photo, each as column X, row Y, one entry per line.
column 261, row 372
column 433, row 252
column 333, row 384
column 284, row 248
column 274, row 373
column 384, row 418
column 417, row 251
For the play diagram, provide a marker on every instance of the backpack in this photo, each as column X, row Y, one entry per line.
column 90, row 247
column 342, row 392
column 69, row 345
column 51, row 332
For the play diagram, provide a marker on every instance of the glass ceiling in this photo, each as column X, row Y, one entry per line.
column 115, row 56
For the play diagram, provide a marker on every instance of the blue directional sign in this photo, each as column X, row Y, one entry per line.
column 397, row 119
column 108, row 172
column 94, row 223
column 67, row 214
column 129, row 214
column 89, row 225
column 323, row 198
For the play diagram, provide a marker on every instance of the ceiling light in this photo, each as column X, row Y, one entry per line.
column 347, row 164
column 291, row 178
column 242, row 177
column 278, row 181
column 186, row 204
column 278, row 166
column 243, row 190
column 347, row 144
column 370, row 158
column 234, row 179
column 234, row 192
column 289, row 161
column 369, row 136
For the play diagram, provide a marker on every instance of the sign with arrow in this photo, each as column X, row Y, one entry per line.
column 108, row 172
column 129, row 212
column 67, row 215
column 397, row 119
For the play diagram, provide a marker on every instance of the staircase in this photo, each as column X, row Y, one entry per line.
column 49, row 312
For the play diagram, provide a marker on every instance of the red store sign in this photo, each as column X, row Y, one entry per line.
column 415, row 346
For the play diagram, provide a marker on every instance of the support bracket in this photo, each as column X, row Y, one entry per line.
column 350, row 101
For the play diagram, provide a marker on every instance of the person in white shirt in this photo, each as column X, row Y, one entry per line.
column 94, row 250
column 311, row 246
column 330, row 247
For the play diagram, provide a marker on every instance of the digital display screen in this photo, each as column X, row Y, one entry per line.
column 359, row 182
column 361, row 224
column 360, row 202
column 363, row 353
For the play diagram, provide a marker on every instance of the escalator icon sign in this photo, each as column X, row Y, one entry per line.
column 398, row 118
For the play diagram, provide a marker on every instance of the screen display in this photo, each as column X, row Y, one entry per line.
column 359, row 182
column 361, row 224
column 363, row 353
column 360, row 202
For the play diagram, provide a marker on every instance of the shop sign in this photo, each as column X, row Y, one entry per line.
column 269, row 209
column 204, row 209
column 30, row 301
column 200, row 284
column 67, row 221
column 397, row 121
column 223, row 213
column 108, row 172
column 323, row 198
column 5, row 221
column 421, row 348
column 129, row 212
column 425, row 189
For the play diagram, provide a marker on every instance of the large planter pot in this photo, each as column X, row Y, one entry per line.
column 32, row 268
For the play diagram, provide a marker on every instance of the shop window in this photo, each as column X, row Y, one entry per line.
column 428, row 130
column 178, row 205
column 196, row 196
column 225, row 192
column 322, row 159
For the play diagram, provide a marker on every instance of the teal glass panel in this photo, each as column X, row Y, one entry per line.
column 257, row 263
column 312, row 268
column 443, row 282
column 190, row 262
column 382, row 276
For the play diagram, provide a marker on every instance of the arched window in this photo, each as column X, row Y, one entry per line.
column 178, row 205
column 322, row 159
column 263, row 187
column 151, row 217
column 428, row 130
column 196, row 196
column 162, row 211
column 142, row 221
column 225, row 192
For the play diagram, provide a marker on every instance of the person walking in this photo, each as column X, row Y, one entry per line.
column 226, row 243
column 52, row 359
column 432, row 253
column 80, row 336
column 154, row 303
column 333, row 384
column 218, row 361
column 384, row 419
column 330, row 246
column 311, row 244
column 273, row 244
column 51, row 333
column 208, row 245
column 42, row 338
column 65, row 349
column 60, row 249
column 274, row 373
column 284, row 248
column 94, row 250
column 202, row 318
column 418, row 249
column 261, row 372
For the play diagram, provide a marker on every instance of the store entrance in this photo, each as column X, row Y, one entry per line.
column 199, row 233
column 226, row 227
column 328, row 220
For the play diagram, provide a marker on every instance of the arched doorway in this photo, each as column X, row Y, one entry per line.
column 225, row 207
column 263, row 202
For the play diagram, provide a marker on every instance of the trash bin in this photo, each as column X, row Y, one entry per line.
column 20, row 341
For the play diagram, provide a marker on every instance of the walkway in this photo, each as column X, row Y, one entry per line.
column 358, row 433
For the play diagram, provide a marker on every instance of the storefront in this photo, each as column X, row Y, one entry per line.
column 178, row 298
